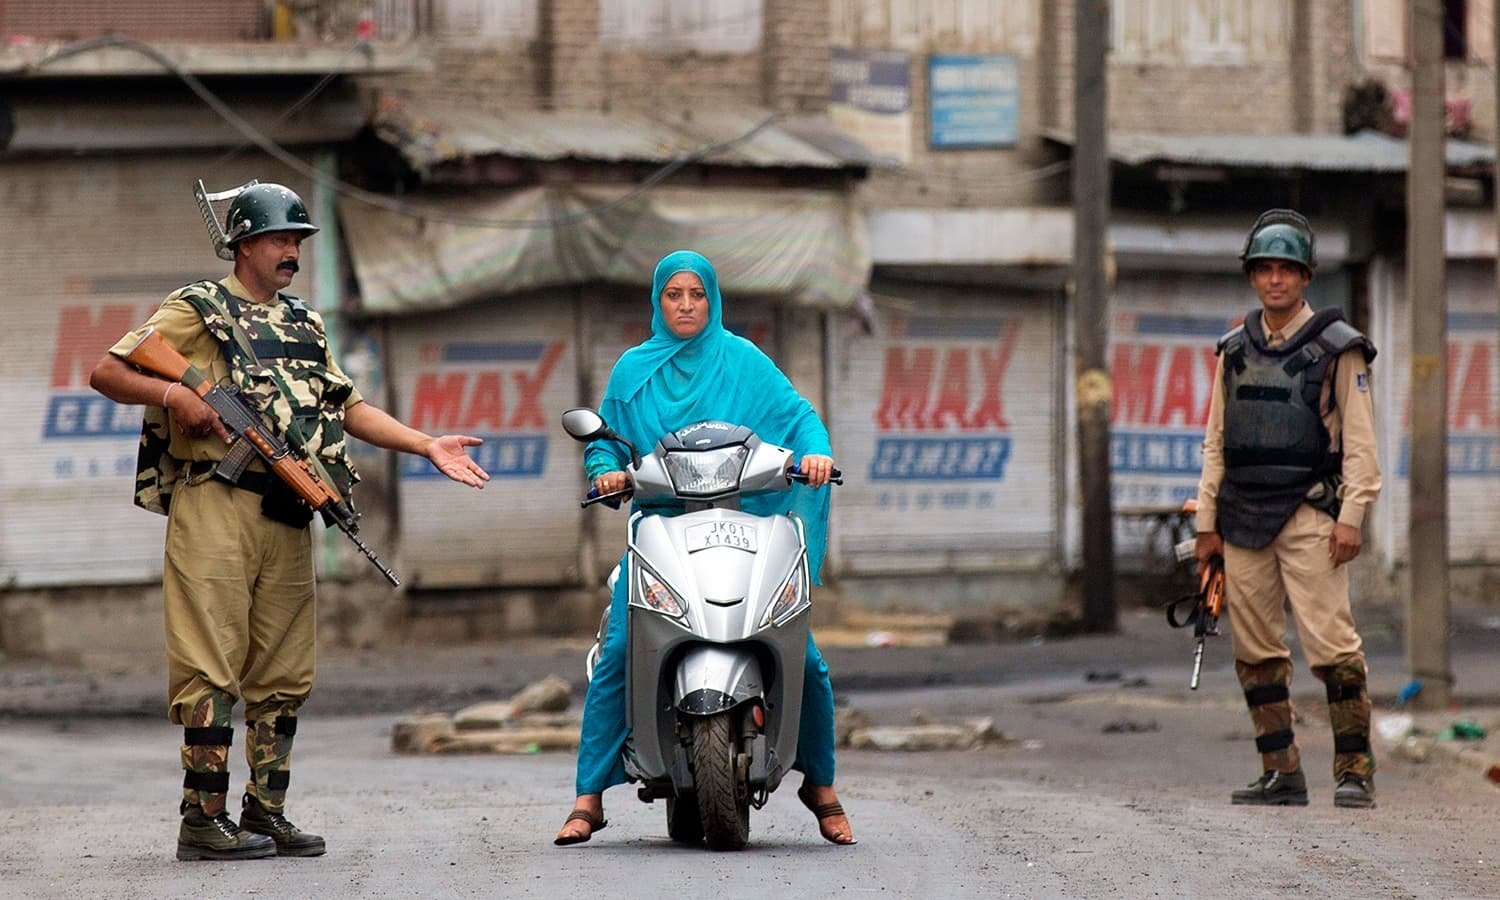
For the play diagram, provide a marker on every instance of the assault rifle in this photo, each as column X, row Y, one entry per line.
column 290, row 464
column 1207, row 603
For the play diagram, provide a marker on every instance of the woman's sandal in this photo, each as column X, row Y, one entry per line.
column 594, row 822
column 827, row 811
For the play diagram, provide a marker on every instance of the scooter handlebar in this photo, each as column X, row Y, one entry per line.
column 796, row 474
column 612, row 499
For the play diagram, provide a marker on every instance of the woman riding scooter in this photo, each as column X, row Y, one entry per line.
column 691, row 369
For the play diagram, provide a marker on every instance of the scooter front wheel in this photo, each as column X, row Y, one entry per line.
column 718, row 775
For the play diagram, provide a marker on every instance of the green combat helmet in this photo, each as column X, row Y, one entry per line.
column 254, row 208
column 1281, row 234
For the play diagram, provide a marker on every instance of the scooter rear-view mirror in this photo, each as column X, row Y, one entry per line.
column 584, row 424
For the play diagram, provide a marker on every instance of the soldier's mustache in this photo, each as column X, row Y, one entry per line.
column 290, row 265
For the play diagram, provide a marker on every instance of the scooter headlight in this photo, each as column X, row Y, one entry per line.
column 790, row 599
column 707, row 473
column 653, row 594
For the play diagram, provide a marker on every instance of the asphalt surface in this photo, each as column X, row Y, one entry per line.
column 1111, row 780
column 408, row 678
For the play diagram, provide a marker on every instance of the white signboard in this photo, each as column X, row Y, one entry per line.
column 946, row 424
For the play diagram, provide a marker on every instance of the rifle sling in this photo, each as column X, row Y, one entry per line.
column 247, row 347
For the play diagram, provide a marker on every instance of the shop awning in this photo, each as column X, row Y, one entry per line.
column 802, row 246
column 436, row 140
column 1365, row 152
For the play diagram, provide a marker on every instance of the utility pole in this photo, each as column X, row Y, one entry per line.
column 1427, row 300
column 1090, row 310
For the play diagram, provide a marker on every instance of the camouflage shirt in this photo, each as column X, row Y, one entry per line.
column 196, row 327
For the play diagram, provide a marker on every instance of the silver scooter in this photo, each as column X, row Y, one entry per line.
column 717, row 630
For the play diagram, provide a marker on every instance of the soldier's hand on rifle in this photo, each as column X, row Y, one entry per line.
column 1344, row 543
column 1208, row 544
column 194, row 418
column 448, row 455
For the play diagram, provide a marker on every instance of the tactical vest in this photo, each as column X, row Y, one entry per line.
column 288, row 381
column 1276, row 446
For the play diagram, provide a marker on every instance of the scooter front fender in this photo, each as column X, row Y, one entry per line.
column 712, row 678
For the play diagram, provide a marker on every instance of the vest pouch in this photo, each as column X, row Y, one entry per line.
column 281, row 504
column 1324, row 495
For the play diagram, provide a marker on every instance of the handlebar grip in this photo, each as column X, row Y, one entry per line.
column 610, row 500
column 834, row 477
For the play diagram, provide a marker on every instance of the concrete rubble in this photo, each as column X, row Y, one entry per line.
column 535, row 720
column 1470, row 739
column 854, row 729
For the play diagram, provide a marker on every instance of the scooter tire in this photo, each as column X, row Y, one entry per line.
column 723, row 798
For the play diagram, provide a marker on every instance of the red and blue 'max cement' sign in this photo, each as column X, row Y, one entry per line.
column 1162, row 365
column 74, row 410
column 1473, row 412
column 942, row 411
column 492, row 390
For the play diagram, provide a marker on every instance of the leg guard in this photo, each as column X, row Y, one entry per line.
column 268, row 750
column 1267, row 688
column 1349, row 714
column 205, row 752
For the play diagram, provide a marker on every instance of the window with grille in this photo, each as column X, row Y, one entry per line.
column 707, row 26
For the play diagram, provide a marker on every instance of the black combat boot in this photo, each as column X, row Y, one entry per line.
column 1354, row 792
column 1274, row 789
column 290, row 840
column 217, row 837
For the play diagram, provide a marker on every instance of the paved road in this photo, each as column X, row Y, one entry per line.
column 1106, row 789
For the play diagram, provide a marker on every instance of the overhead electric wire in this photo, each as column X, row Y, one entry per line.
column 381, row 201
column 258, row 138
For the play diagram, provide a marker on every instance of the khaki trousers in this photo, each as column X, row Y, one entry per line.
column 1296, row 567
column 240, row 604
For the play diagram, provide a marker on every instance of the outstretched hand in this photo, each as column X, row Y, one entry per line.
column 449, row 457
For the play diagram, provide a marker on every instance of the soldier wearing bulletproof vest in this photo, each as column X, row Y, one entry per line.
column 1289, row 474
column 237, row 581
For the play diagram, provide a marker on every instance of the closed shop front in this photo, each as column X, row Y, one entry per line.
column 947, row 423
column 91, row 250
column 501, row 372
column 1473, row 410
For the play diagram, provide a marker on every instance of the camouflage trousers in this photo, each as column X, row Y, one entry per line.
column 207, row 735
column 1267, row 687
column 1349, row 714
column 268, row 750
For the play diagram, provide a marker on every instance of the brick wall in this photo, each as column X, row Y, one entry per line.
column 796, row 54
column 472, row 76
column 149, row 20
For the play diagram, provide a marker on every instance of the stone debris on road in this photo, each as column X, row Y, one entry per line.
column 854, row 729
column 1468, row 740
column 535, row 720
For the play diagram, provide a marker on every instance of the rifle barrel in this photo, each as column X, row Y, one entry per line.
column 387, row 571
column 1197, row 665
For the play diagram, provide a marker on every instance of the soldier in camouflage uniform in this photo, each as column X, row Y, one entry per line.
column 237, row 580
column 1289, row 471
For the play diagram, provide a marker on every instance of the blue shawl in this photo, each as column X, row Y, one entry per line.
column 667, row 383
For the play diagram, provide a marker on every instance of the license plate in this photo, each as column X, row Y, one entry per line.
column 707, row 535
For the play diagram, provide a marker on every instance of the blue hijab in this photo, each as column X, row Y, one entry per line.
column 666, row 383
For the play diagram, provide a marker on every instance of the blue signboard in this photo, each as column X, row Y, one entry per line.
column 973, row 101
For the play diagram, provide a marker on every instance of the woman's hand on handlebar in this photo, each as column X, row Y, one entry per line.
column 612, row 482
column 817, row 468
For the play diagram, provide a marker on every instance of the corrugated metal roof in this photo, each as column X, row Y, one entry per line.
column 436, row 135
column 1363, row 152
